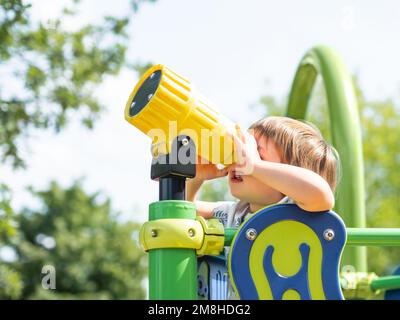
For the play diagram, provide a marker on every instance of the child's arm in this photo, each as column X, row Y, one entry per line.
column 308, row 189
column 203, row 172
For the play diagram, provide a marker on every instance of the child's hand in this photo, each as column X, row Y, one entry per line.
column 246, row 152
column 208, row 171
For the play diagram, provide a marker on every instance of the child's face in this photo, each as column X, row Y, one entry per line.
column 251, row 189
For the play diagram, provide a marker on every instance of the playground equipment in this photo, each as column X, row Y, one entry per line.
column 165, row 105
column 186, row 258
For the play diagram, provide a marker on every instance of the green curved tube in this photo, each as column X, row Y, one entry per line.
column 345, row 132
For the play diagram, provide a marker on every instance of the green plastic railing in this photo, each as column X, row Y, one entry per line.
column 373, row 237
column 229, row 234
column 345, row 132
column 386, row 283
column 368, row 237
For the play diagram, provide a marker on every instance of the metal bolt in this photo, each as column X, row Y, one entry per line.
column 149, row 96
column 251, row 234
column 154, row 233
column 329, row 234
column 191, row 233
column 185, row 141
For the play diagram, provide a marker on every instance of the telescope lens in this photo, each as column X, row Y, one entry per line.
column 145, row 93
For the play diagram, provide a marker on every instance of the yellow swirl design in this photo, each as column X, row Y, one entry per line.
column 286, row 237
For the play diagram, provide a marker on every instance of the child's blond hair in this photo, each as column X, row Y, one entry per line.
column 302, row 145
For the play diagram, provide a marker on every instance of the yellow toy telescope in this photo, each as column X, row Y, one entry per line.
column 164, row 105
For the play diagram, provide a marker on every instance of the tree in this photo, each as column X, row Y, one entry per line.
column 48, row 73
column 94, row 256
column 56, row 69
column 10, row 280
column 381, row 147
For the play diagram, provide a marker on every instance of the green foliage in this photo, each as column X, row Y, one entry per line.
column 382, row 162
column 57, row 69
column 215, row 190
column 48, row 73
column 10, row 281
column 95, row 256
column 7, row 223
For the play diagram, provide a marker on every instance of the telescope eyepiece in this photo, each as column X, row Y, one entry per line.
column 145, row 92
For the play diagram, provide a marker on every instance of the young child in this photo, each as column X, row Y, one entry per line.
column 281, row 160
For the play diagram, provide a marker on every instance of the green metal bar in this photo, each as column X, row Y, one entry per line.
column 386, row 283
column 381, row 237
column 172, row 272
column 345, row 131
column 229, row 234
column 373, row 237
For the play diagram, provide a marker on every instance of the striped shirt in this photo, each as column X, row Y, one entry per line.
column 233, row 213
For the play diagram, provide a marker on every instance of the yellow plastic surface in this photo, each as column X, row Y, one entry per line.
column 171, row 233
column 177, row 109
column 213, row 242
column 286, row 237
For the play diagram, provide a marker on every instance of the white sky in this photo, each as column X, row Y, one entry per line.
column 234, row 51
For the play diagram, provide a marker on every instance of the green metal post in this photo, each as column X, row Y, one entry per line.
column 345, row 131
column 172, row 272
column 382, row 237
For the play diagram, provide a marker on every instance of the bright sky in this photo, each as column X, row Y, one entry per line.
column 234, row 51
